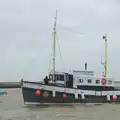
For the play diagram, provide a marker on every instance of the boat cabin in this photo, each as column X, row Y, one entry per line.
column 62, row 79
column 84, row 80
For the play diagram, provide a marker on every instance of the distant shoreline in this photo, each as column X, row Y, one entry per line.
column 10, row 85
column 18, row 84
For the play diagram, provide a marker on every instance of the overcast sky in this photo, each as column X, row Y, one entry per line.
column 26, row 36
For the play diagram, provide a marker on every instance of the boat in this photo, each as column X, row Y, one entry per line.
column 2, row 91
column 80, row 86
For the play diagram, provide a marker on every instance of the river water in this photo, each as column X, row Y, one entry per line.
column 12, row 108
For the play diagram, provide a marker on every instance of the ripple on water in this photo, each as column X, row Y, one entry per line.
column 11, row 108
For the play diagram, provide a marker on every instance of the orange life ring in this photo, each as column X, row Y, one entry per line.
column 104, row 81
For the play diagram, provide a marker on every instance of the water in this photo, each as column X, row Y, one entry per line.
column 12, row 108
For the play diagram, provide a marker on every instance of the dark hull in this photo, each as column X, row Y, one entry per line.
column 29, row 97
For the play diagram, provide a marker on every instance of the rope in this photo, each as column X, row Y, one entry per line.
column 49, row 66
column 60, row 53
column 76, row 32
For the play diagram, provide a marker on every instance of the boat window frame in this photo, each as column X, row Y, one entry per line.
column 81, row 80
column 97, row 82
column 109, row 81
column 89, row 81
column 57, row 77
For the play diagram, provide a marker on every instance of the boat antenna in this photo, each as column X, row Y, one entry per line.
column 105, row 55
column 85, row 66
column 54, row 45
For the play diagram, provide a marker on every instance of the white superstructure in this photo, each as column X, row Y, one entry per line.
column 87, row 78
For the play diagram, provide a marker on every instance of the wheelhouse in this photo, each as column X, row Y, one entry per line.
column 62, row 79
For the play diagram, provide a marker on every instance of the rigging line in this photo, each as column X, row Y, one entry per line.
column 76, row 32
column 60, row 53
column 49, row 66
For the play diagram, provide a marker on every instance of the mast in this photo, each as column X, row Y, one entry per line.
column 105, row 56
column 54, row 46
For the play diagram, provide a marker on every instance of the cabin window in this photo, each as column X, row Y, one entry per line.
column 57, row 77
column 60, row 77
column 109, row 81
column 97, row 81
column 89, row 81
column 81, row 80
column 51, row 77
